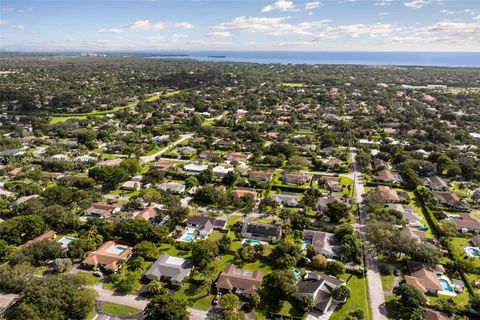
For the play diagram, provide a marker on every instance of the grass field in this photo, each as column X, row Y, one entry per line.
column 358, row 300
column 293, row 84
column 62, row 117
column 119, row 310
column 89, row 278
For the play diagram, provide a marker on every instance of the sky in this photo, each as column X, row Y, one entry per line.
column 267, row 25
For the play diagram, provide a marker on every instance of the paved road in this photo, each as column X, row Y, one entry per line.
column 151, row 158
column 128, row 299
column 377, row 298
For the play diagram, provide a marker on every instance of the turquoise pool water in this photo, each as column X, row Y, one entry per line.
column 305, row 243
column 297, row 273
column 451, row 217
column 474, row 252
column 67, row 240
column 446, row 286
column 188, row 237
column 251, row 242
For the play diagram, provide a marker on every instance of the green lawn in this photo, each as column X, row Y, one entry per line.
column 358, row 299
column 65, row 116
column 461, row 299
column 387, row 282
column 89, row 278
column 119, row 310
column 233, row 219
column 171, row 250
column 293, row 84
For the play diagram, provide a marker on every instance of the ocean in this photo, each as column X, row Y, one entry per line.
column 443, row 59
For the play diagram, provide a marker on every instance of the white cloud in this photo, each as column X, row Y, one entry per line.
column 312, row 5
column 280, row 5
column 183, row 25
column 270, row 26
column 383, row 13
column 179, row 36
column 110, row 30
column 383, row 2
column 416, row 4
column 11, row 25
column 476, row 18
column 356, row 30
column 138, row 25
column 219, row 34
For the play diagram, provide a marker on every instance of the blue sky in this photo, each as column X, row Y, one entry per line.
column 283, row 25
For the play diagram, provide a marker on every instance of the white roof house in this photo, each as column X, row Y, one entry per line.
column 192, row 168
column 221, row 171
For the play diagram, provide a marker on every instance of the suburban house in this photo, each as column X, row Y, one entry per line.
column 334, row 162
column 242, row 192
column 224, row 144
column 260, row 175
column 332, row 183
column 324, row 243
column 413, row 233
column 109, row 256
column 424, row 278
column 239, row 281
column 435, row 183
column 101, row 210
column 386, row 175
column 173, row 269
column 319, row 287
column 7, row 302
column 235, row 156
column 210, row 155
column 110, row 163
column 205, row 225
column 150, row 213
column 467, row 221
column 186, row 150
column 408, row 213
column 286, row 199
column 296, row 179
column 131, row 185
column 447, row 199
column 434, row 315
column 172, row 187
column 476, row 241
column 193, row 169
column 322, row 203
column 261, row 231
column 221, row 171
column 163, row 165
column 388, row 194
column 50, row 234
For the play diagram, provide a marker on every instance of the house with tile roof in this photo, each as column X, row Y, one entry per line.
column 109, row 256
column 239, row 281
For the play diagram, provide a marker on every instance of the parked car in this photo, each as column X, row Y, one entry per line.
column 217, row 298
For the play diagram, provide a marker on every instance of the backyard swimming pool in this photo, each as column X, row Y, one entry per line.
column 187, row 236
column 251, row 242
column 446, row 285
column 66, row 240
column 453, row 217
column 116, row 250
column 305, row 243
column 297, row 272
column 473, row 251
